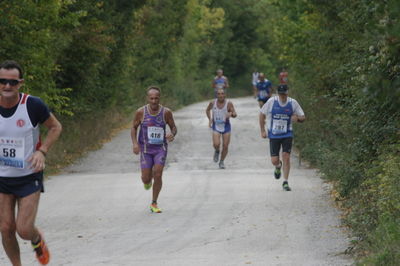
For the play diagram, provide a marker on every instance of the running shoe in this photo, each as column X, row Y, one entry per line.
column 154, row 208
column 277, row 172
column 42, row 252
column 147, row 186
column 221, row 165
column 216, row 156
column 285, row 186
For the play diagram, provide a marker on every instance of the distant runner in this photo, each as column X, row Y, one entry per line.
column 283, row 77
column 254, row 79
column 152, row 143
column 220, row 82
column 22, row 161
column 280, row 112
column 262, row 90
column 222, row 110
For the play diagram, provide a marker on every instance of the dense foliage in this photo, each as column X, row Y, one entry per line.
column 345, row 71
column 91, row 61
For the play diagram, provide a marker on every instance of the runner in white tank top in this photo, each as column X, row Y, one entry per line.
column 222, row 110
column 220, row 123
column 19, row 139
column 22, row 160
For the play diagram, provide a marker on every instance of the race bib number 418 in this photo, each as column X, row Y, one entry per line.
column 155, row 135
column 12, row 152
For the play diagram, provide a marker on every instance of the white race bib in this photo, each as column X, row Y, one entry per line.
column 279, row 127
column 263, row 94
column 12, row 152
column 220, row 125
column 155, row 135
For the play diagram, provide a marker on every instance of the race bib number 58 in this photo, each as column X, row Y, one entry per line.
column 12, row 152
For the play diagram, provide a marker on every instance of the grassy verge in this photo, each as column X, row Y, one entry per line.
column 372, row 208
column 84, row 133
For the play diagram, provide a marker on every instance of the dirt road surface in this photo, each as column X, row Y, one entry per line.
column 96, row 212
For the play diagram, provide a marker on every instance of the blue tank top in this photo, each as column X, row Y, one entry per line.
column 281, row 125
column 219, row 82
column 152, row 129
column 263, row 88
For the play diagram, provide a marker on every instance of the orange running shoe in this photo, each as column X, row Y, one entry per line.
column 42, row 252
column 154, row 208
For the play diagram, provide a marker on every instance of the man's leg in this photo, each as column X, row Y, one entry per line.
column 286, row 165
column 159, row 162
column 146, row 175
column 26, row 216
column 8, row 228
column 286, row 149
column 275, row 161
column 225, row 144
column 216, row 137
column 146, row 165
column 226, row 138
column 275, row 147
column 157, row 175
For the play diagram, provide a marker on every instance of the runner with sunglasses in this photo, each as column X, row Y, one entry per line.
column 152, row 142
column 22, row 161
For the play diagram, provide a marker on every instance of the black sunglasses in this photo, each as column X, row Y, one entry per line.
column 12, row 82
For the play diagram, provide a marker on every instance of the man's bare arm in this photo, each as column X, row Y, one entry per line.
column 169, row 119
column 137, row 120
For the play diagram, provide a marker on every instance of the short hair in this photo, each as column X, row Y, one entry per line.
column 220, row 89
column 10, row 64
column 220, row 70
column 153, row 88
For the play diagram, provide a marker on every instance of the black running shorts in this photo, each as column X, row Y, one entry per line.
column 275, row 145
column 22, row 186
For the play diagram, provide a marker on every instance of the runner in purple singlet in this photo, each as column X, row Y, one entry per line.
column 152, row 143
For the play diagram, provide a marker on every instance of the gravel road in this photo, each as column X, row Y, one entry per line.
column 96, row 212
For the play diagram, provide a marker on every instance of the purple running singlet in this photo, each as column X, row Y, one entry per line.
column 152, row 140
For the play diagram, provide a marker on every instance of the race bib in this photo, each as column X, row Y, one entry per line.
column 220, row 85
column 279, row 126
column 263, row 94
column 12, row 152
column 155, row 135
column 220, row 125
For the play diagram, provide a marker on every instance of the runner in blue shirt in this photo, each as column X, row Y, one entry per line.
column 220, row 82
column 280, row 111
column 262, row 90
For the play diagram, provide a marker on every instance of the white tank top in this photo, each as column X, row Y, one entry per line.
column 18, row 140
column 219, row 115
